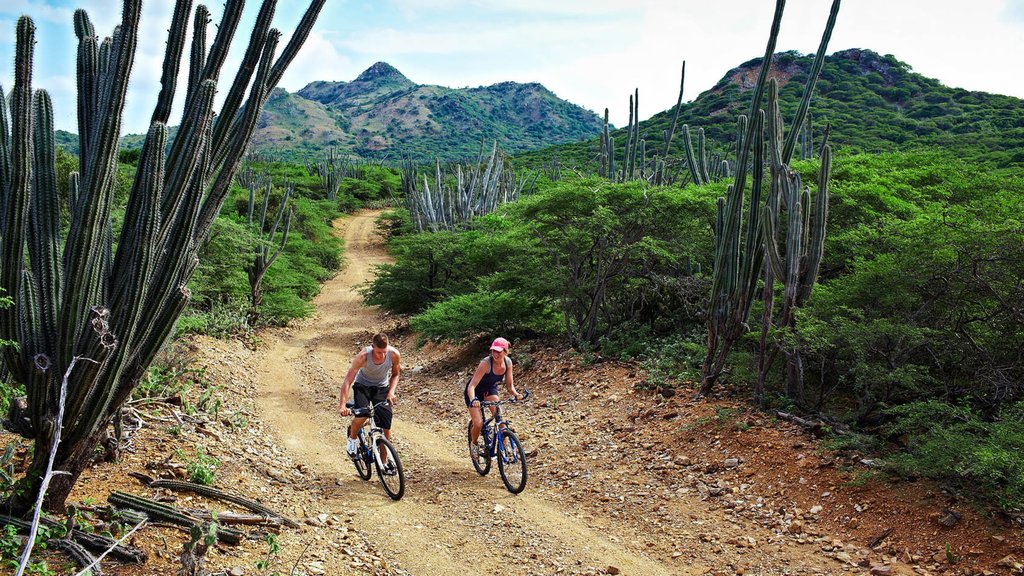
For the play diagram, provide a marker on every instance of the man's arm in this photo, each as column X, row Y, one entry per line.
column 358, row 362
column 396, row 370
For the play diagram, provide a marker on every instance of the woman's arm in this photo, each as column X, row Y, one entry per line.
column 509, row 380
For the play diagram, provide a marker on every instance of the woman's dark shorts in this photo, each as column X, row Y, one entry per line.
column 364, row 396
column 481, row 394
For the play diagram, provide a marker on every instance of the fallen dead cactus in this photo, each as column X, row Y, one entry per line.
column 158, row 510
column 211, row 492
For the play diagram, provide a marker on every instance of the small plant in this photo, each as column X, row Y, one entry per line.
column 724, row 415
column 10, row 544
column 202, row 468
column 950, row 557
column 273, row 548
column 238, row 420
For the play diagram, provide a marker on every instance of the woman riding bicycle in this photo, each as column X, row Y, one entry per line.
column 484, row 384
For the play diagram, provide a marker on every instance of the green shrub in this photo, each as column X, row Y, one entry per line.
column 947, row 442
column 498, row 312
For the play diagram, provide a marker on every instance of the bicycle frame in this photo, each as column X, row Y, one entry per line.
column 369, row 438
column 492, row 427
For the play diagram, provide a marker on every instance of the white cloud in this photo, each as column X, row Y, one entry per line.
column 37, row 10
column 317, row 60
column 591, row 52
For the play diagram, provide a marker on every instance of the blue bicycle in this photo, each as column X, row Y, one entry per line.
column 499, row 441
column 375, row 451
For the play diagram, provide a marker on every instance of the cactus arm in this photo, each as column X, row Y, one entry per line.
column 244, row 75
column 15, row 218
column 197, row 53
column 675, row 116
column 172, row 61
column 44, row 225
column 812, row 78
column 691, row 161
column 817, row 227
column 237, row 144
column 87, row 73
column 5, row 156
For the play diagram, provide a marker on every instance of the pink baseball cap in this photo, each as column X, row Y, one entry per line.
column 500, row 344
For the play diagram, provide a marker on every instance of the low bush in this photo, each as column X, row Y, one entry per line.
column 985, row 457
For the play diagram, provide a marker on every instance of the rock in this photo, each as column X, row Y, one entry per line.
column 815, row 509
column 235, row 571
column 612, row 570
column 1007, row 562
column 880, row 570
column 949, row 518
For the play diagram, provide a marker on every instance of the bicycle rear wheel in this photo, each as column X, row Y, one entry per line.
column 482, row 458
column 511, row 461
column 363, row 461
column 392, row 478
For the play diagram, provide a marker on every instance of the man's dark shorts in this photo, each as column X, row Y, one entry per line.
column 480, row 393
column 364, row 396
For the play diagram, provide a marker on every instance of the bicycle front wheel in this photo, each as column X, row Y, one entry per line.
column 392, row 478
column 479, row 454
column 511, row 461
column 363, row 461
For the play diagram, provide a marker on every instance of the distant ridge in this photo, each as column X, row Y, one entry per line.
column 383, row 113
column 873, row 103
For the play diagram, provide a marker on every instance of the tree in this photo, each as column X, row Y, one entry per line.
column 116, row 307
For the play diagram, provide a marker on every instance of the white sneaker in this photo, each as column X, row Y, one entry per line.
column 352, row 446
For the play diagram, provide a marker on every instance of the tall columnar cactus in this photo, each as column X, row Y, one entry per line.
column 739, row 246
column 268, row 248
column 116, row 308
column 330, row 171
column 795, row 244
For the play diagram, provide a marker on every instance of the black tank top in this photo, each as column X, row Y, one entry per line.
column 491, row 380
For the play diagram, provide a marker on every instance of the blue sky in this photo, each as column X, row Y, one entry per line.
column 590, row 52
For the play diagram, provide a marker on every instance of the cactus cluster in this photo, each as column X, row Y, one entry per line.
column 330, row 172
column 82, row 297
column 635, row 165
column 794, row 244
column 740, row 245
column 479, row 188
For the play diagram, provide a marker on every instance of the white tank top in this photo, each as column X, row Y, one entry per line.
column 375, row 375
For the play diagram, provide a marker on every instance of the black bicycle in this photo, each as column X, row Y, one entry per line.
column 499, row 442
column 375, row 451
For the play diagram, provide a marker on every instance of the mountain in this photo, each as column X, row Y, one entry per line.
column 382, row 112
column 873, row 103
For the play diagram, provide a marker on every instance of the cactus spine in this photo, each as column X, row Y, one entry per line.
column 116, row 308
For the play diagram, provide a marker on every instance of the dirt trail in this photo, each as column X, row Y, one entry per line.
column 443, row 524
column 594, row 504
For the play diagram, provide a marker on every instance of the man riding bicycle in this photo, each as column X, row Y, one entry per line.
column 373, row 378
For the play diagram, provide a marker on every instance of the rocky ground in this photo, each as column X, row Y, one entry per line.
column 622, row 480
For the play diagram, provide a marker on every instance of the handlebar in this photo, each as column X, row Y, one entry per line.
column 526, row 394
column 361, row 412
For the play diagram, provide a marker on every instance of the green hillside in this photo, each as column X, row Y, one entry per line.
column 873, row 103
